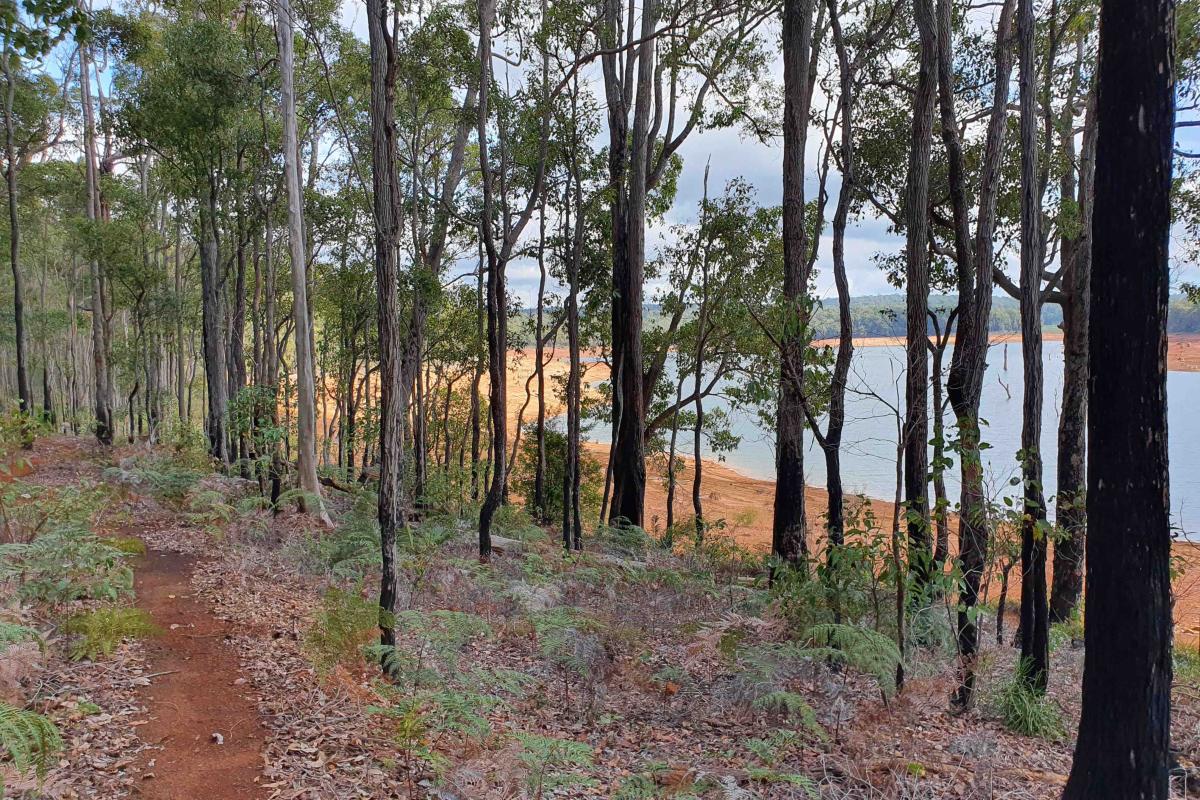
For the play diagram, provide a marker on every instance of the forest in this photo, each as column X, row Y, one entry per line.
column 599, row 398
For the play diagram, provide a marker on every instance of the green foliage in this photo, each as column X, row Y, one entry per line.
column 345, row 624
column 568, row 639
column 128, row 545
column 862, row 648
column 764, row 672
column 162, row 475
column 99, row 632
column 26, row 510
column 1023, row 710
column 352, row 550
column 1187, row 665
column 18, row 431
column 591, row 476
column 11, row 633
column 30, row 740
column 67, row 563
column 551, row 762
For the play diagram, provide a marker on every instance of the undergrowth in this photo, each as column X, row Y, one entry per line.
column 66, row 563
column 98, row 633
column 29, row 740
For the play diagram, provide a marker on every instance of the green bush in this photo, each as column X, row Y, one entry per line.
column 99, row 632
column 165, row 477
column 28, row 739
column 591, row 476
column 1023, row 710
column 346, row 623
column 67, row 563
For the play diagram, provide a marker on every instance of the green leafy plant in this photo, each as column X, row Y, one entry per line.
column 11, row 633
column 551, row 762
column 30, row 740
column 345, row 624
column 862, row 648
column 1023, row 710
column 99, row 632
column 128, row 544
column 67, row 563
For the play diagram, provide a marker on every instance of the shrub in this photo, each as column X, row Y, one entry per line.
column 162, row 475
column 591, row 476
column 1023, row 710
column 11, row 633
column 550, row 762
column 346, row 623
column 99, row 632
column 68, row 563
column 30, row 741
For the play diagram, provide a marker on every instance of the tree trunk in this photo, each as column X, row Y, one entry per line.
column 497, row 301
column 968, row 364
column 789, row 535
column 1124, row 730
column 916, row 388
column 24, row 394
column 1067, row 582
column 306, row 412
column 387, row 208
column 628, row 463
column 103, row 382
column 1035, row 624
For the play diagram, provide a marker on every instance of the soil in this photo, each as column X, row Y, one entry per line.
column 210, row 732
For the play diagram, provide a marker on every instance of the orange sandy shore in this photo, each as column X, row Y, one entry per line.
column 746, row 503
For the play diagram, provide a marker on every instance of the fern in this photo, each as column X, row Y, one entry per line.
column 99, row 632
column 567, row 638
column 67, row 563
column 550, row 761
column 347, row 621
column 29, row 739
column 864, row 649
column 11, row 633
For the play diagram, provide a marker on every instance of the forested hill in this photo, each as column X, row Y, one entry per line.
column 883, row 315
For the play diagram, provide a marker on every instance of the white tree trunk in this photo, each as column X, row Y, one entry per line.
column 306, row 459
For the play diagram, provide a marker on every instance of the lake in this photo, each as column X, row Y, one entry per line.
column 869, row 441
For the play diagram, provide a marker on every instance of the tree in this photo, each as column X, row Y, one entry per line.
column 393, row 402
column 1035, row 620
column 790, row 528
column 916, row 250
column 306, row 411
column 1122, row 749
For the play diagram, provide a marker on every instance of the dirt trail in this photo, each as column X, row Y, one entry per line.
column 199, row 694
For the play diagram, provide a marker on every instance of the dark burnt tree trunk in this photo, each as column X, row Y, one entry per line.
column 499, row 251
column 1124, row 731
column 789, row 539
column 628, row 169
column 1066, row 585
column 916, row 385
column 1035, row 621
column 941, row 504
column 386, row 208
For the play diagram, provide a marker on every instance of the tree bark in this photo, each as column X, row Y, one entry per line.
column 306, row 411
column 916, row 401
column 789, row 535
column 24, row 394
column 1067, row 581
column 103, row 381
column 1124, row 731
column 392, row 401
column 1035, row 620
column 968, row 363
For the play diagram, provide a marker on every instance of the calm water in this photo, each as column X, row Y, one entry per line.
column 869, row 442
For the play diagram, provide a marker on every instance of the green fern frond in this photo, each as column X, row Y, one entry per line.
column 11, row 633
column 866, row 650
column 795, row 708
column 29, row 739
column 100, row 631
